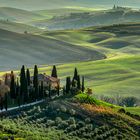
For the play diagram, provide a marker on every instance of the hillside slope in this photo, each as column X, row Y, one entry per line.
column 13, row 14
column 18, row 27
column 90, row 18
column 69, row 118
column 18, row 49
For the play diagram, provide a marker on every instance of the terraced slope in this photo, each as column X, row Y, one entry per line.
column 18, row 49
column 71, row 119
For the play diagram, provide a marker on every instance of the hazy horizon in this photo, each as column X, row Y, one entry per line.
column 53, row 4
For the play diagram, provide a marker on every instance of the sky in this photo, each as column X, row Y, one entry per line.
column 53, row 4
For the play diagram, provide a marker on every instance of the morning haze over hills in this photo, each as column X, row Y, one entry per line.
column 55, row 4
column 86, row 85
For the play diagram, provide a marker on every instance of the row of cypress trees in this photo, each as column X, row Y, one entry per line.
column 76, row 82
column 21, row 90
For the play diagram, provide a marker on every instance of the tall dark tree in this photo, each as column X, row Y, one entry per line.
column 18, row 95
column 23, row 85
column 35, row 82
column 13, row 88
column 68, row 84
column 78, row 82
column 28, row 76
column 22, row 80
column 75, row 74
column 6, row 101
column 6, row 79
column 17, row 88
column 41, row 90
column 54, row 72
column 83, row 84
column 1, row 103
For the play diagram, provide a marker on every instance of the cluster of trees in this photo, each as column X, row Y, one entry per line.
column 75, row 84
column 24, row 90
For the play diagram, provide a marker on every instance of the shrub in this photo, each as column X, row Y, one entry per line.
column 50, row 123
column 72, row 112
column 58, row 120
column 63, row 109
column 129, row 101
column 71, row 120
column 87, row 120
column 122, row 110
column 81, row 124
column 128, row 113
column 63, row 125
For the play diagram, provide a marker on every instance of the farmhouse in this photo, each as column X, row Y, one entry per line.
column 47, row 81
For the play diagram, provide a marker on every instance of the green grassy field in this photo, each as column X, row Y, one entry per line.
column 19, row 27
column 118, row 75
column 18, row 15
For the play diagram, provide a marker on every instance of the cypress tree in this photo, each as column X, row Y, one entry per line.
column 35, row 81
column 75, row 74
column 78, row 82
column 83, row 84
column 42, row 89
column 28, row 77
column 23, row 85
column 18, row 93
column 6, row 79
column 17, row 88
column 68, row 84
column 54, row 72
column 6, row 101
column 13, row 88
column 1, row 103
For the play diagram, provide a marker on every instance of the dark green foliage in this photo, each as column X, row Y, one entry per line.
column 129, row 101
column 49, row 90
column 75, row 74
column 41, row 90
column 6, row 80
column 35, row 82
column 13, row 87
column 28, row 76
column 78, row 82
column 122, row 110
column 23, row 85
column 1, row 103
column 83, row 84
column 54, row 72
column 6, row 101
column 68, row 84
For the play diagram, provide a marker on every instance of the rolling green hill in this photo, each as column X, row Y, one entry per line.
column 18, row 27
column 50, row 13
column 18, row 15
column 89, row 18
column 18, row 49
column 118, row 75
